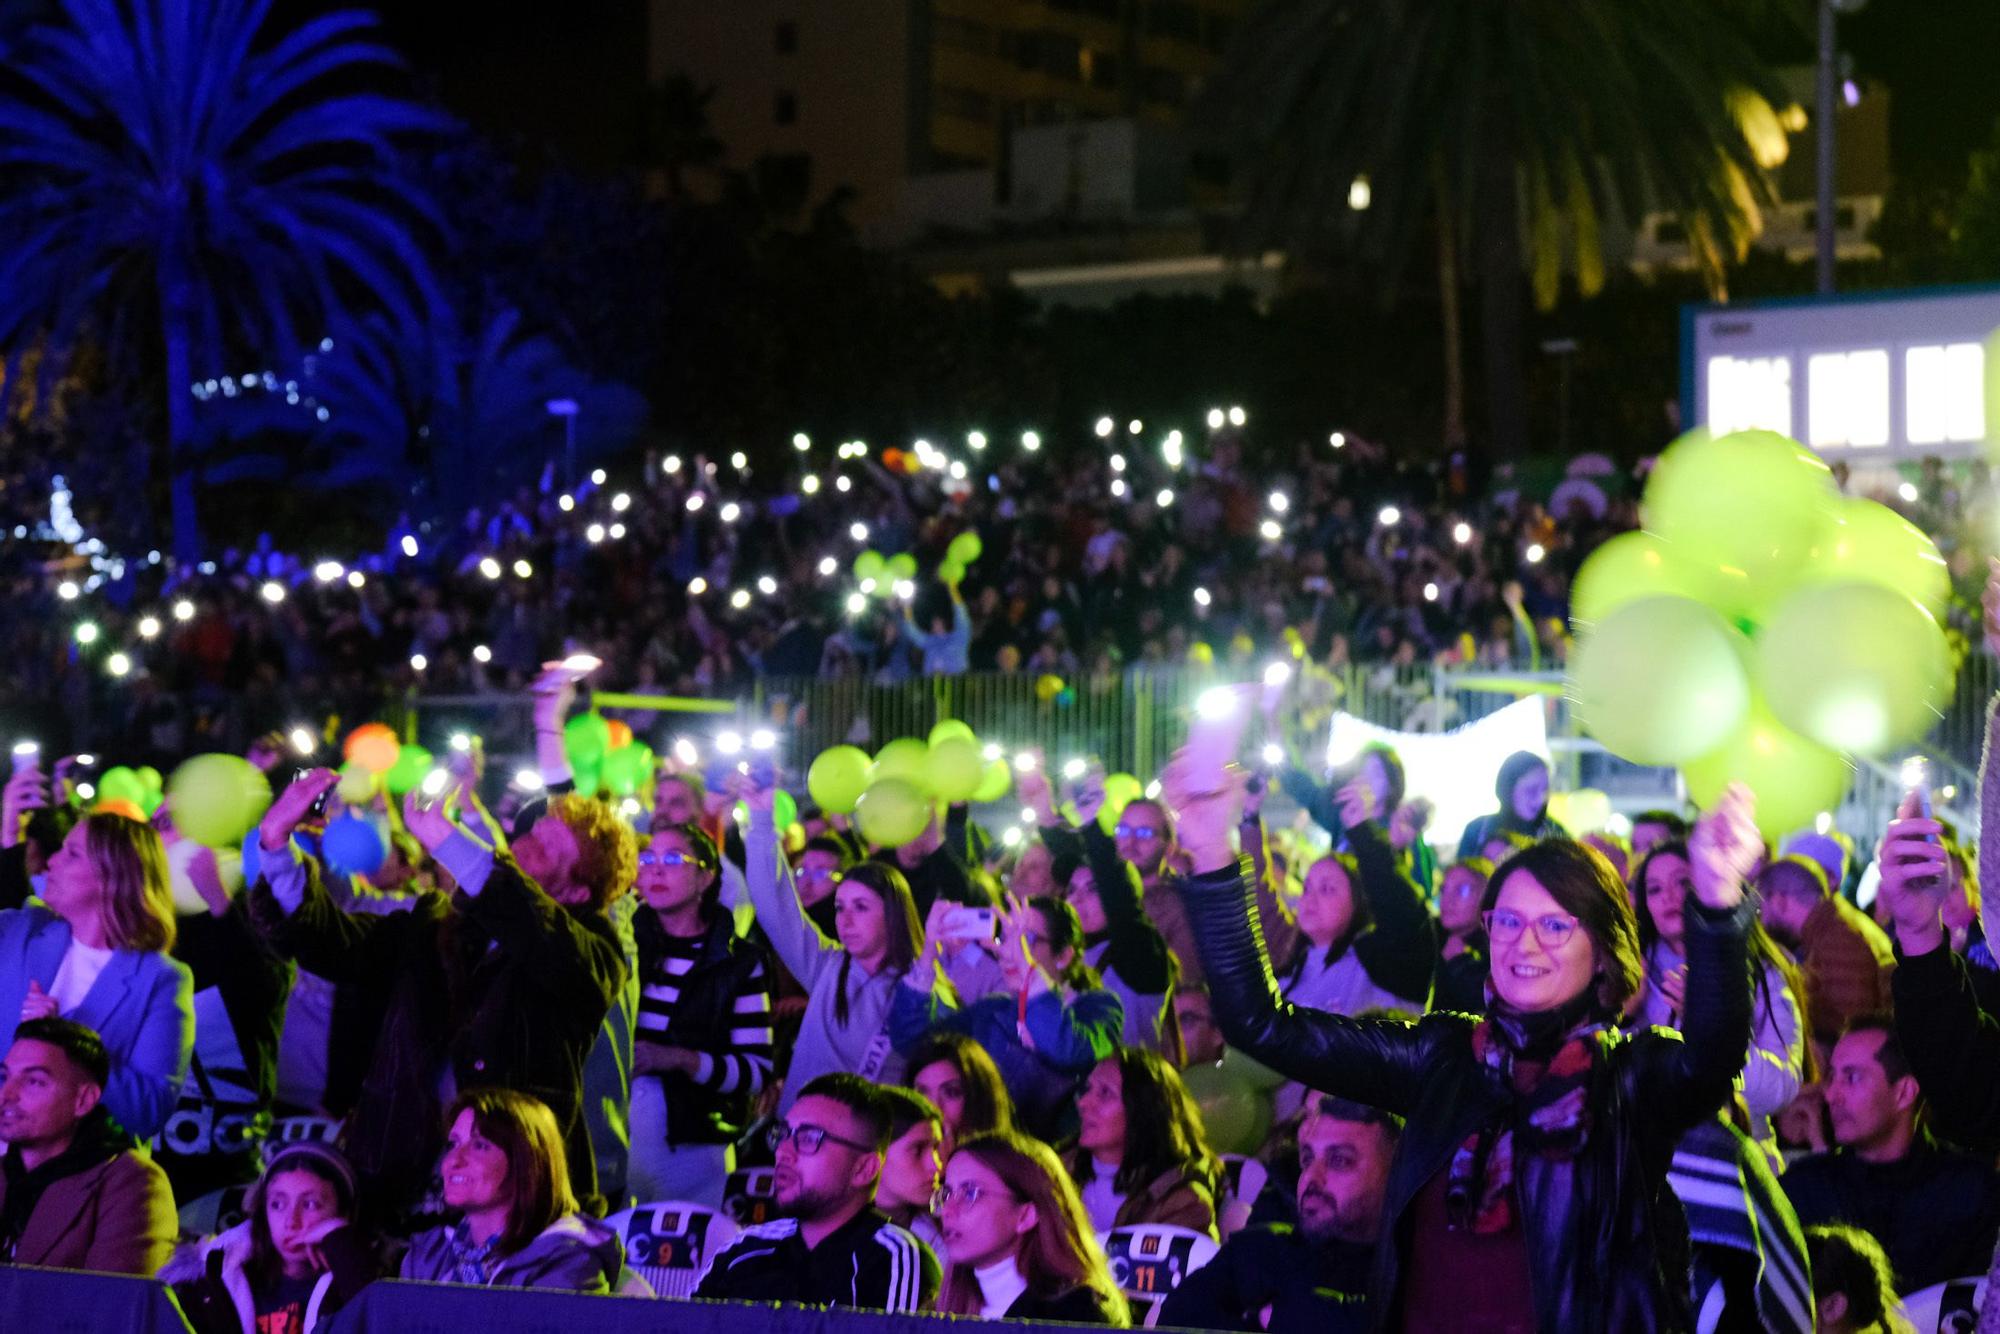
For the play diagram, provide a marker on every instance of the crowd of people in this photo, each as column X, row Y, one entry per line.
column 1323, row 1076
column 693, row 575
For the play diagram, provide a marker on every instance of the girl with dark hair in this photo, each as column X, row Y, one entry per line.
column 1529, row 1188
column 296, row 1259
column 702, row 1042
column 1045, row 1028
column 850, row 980
column 960, row 1079
column 1019, row 1243
column 1141, row 1155
column 1780, row 1060
column 519, row 1226
column 1854, row 1291
column 1522, row 788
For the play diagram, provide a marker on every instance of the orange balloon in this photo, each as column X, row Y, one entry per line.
column 374, row 747
column 892, row 459
column 119, row 806
column 621, row 734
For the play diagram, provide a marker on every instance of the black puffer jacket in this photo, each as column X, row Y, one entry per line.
column 1607, row 1242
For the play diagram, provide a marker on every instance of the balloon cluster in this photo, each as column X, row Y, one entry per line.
column 1761, row 627
column 131, row 792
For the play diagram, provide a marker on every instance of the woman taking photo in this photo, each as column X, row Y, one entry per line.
column 1019, row 1243
column 96, row 950
column 1141, row 1155
column 296, row 1259
column 960, row 1079
column 850, row 981
column 702, row 1043
column 1528, row 1191
column 1047, row 1026
column 1778, row 1063
column 506, row 1176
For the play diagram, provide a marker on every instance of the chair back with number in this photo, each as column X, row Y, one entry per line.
column 217, row 1211
column 668, row 1244
column 747, row 1195
column 1149, row 1260
column 1950, row 1307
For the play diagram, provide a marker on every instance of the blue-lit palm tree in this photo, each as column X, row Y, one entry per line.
column 176, row 181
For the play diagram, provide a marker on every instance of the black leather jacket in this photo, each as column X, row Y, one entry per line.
column 1607, row 1241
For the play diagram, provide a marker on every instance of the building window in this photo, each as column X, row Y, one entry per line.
column 786, row 38
column 786, row 110
column 1749, row 394
column 1847, row 399
column 1944, row 393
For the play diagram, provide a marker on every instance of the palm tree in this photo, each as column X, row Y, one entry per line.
column 177, row 182
column 1509, row 131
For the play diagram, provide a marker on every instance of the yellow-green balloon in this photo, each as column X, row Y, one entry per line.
column 837, row 778
column 955, row 768
column 357, row 783
column 1120, row 791
column 1660, row 681
column 906, row 758
column 628, row 770
column 868, row 565
column 892, row 812
column 1794, row 777
column 412, row 766
column 993, row 784
column 952, row 727
column 1629, row 567
column 217, row 799
column 1856, row 667
column 1872, row 544
column 965, row 549
column 1744, row 509
column 902, row 565
column 121, row 784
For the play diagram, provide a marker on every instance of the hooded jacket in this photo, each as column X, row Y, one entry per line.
column 209, row 1279
column 574, row 1254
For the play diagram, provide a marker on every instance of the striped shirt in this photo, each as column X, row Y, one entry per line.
column 744, row 1064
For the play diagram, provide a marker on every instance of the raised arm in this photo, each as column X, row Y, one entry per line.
column 1400, row 953
column 775, row 899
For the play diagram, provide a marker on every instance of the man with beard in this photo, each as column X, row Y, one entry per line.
column 1312, row 1276
column 830, row 1246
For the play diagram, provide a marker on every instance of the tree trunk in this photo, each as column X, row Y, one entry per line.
column 180, row 428
column 1502, row 312
column 1450, row 315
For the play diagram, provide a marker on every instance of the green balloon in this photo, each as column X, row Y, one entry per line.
column 1120, row 791
column 628, row 770
column 951, row 572
column 837, row 778
column 1235, row 1111
column 868, row 565
column 993, row 784
column 149, row 779
column 892, row 812
column 1872, row 544
column 586, row 740
column 412, row 766
column 952, row 727
column 589, row 778
column 965, row 548
column 121, row 784
column 955, row 768
column 1629, row 567
column 1660, row 681
column 906, row 758
column 902, row 565
column 1856, row 667
column 1793, row 777
column 1744, row 509
column 217, row 799
column 784, row 811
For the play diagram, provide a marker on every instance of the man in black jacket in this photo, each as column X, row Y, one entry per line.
column 505, row 983
column 830, row 1247
column 1935, row 1211
column 1312, row 1277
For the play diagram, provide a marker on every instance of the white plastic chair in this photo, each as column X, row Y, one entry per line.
column 747, row 1195
column 217, row 1211
column 668, row 1244
column 1950, row 1307
column 1149, row 1260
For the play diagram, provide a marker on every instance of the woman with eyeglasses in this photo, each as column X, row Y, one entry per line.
column 1462, row 944
column 850, row 979
column 1529, row 1189
column 1048, row 1024
column 702, row 1043
column 1779, row 1061
column 1019, row 1242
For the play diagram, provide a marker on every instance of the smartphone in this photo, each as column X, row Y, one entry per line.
column 318, row 808
column 1216, row 735
column 970, row 924
column 1917, row 779
column 567, row 672
column 27, row 755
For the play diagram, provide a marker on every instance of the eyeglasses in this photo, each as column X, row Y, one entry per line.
column 968, row 1194
column 815, row 873
column 1134, row 831
column 1552, row 930
column 670, row 859
column 807, row 1139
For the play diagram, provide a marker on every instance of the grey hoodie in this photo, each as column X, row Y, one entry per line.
column 575, row 1254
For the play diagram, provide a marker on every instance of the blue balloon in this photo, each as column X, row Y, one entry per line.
column 353, row 846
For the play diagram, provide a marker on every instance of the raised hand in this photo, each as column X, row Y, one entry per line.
column 1724, row 848
column 292, row 807
column 429, row 820
column 26, row 791
column 1357, row 803
column 1032, row 786
column 1207, row 806
column 1916, row 874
